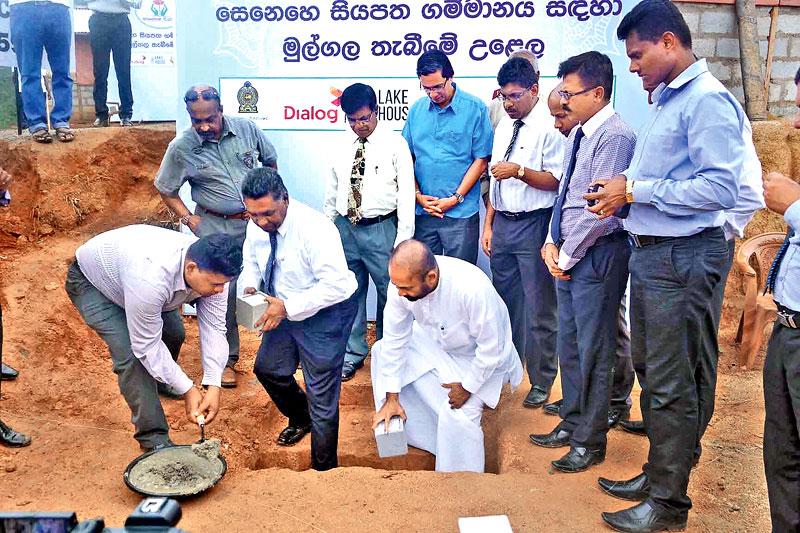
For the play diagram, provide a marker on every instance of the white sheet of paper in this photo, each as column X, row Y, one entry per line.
column 485, row 524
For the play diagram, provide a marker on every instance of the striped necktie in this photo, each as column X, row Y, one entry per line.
column 517, row 125
column 776, row 264
column 555, row 223
column 269, row 272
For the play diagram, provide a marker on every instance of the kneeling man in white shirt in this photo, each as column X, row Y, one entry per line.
column 446, row 353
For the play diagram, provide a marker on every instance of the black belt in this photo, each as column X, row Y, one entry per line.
column 375, row 220
column 640, row 241
column 605, row 239
column 788, row 317
column 522, row 215
column 242, row 215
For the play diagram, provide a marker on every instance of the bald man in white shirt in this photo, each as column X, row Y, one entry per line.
column 294, row 254
column 446, row 353
column 129, row 284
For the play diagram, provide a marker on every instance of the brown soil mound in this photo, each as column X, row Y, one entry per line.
column 67, row 399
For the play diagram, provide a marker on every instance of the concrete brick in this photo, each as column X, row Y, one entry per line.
column 721, row 20
column 704, row 47
column 791, row 90
column 693, row 21
column 775, row 92
column 789, row 23
column 784, row 69
column 794, row 47
column 780, row 48
column 728, row 48
column 737, row 91
column 720, row 71
column 763, row 27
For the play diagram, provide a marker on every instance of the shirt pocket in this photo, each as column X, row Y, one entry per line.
column 669, row 154
column 249, row 159
column 452, row 336
column 454, row 143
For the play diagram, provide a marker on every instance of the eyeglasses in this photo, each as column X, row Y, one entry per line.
column 362, row 120
column 435, row 88
column 512, row 97
column 206, row 94
column 566, row 95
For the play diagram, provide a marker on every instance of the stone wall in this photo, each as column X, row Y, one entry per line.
column 715, row 36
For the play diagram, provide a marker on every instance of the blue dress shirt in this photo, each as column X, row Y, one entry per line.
column 444, row 143
column 688, row 158
column 787, row 284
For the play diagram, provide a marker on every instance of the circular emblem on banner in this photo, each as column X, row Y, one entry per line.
column 248, row 98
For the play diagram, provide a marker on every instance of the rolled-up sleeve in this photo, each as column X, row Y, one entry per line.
column 143, row 307
column 268, row 157
column 553, row 153
column 716, row 153
column 213, row 343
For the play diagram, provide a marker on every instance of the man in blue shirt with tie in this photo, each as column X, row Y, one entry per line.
column 684, row 174
column 450, row 138
column 781, row 367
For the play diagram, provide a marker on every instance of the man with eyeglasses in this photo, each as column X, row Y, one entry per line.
column 213, row 155
column 525, row 169
column 294, row 254
column 450, row 138
column 589, row 260
column 684, row 175
column 370, row 198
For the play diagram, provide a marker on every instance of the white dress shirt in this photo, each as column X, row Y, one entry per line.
column 388, row 182
column 539, row 147
column 310, row 270
column 466, row 318
column 140, row 268
column 751, row 190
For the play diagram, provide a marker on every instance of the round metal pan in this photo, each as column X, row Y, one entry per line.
column 126, row 476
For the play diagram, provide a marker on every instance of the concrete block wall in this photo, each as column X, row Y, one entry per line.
column 715, row 36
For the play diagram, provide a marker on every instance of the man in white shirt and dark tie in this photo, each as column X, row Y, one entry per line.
column 129, row 284
column 294, row 254
column 525, row 169
column 370, row 198
column 446, row 353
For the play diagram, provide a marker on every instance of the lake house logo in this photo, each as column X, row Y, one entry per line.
column 247, row 98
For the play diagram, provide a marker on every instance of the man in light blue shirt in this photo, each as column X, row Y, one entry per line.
column 450, row 138
column 781, row 367
column 684, row 174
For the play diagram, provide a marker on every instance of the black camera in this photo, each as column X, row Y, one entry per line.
column 152, row 515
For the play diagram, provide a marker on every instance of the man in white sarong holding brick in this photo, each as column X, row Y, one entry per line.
column 446, row 353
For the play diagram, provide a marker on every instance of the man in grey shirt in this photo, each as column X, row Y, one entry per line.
column 110, row 32
column 213, row 155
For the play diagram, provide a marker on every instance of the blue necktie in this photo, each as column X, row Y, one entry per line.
column 269, row 272
column 776, row 264
column 555, row 223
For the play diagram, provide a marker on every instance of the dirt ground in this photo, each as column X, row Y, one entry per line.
column 67, row 397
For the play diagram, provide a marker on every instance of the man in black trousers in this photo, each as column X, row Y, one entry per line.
column 294, row 254
column 8, row 437
column 110, row 33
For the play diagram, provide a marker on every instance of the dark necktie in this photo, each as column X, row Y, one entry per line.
column 555, row 223
column 517, row 125
column 269, row 272
column 356, row 178
column 776, row 264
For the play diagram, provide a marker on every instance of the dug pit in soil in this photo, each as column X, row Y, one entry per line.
column 177, row 471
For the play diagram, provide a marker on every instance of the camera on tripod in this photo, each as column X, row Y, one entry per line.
column 152, row 515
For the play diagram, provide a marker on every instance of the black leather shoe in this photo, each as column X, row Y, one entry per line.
column 642, row 518
column 292, row 435
column 634, row 426
column 537, row 397
column 125, row 122
column 635, row 490
column 579, row 459
column 349, row 370
column 101, row 122
column 11, row 438
column 618, row 414
column 167, row 391
column 7, row 373
column 555, row 439
column 552, row 408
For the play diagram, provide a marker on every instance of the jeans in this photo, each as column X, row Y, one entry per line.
column 675, row 352
column 111, row 33
column 137, row 386
column 36, row 27
column 453, row 237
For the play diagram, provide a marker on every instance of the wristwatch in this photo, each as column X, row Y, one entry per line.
column 521, row 172
column 185, row 219
column 629, row 191
column 459, row 198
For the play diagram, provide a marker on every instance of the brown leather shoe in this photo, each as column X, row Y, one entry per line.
column 229, row 377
